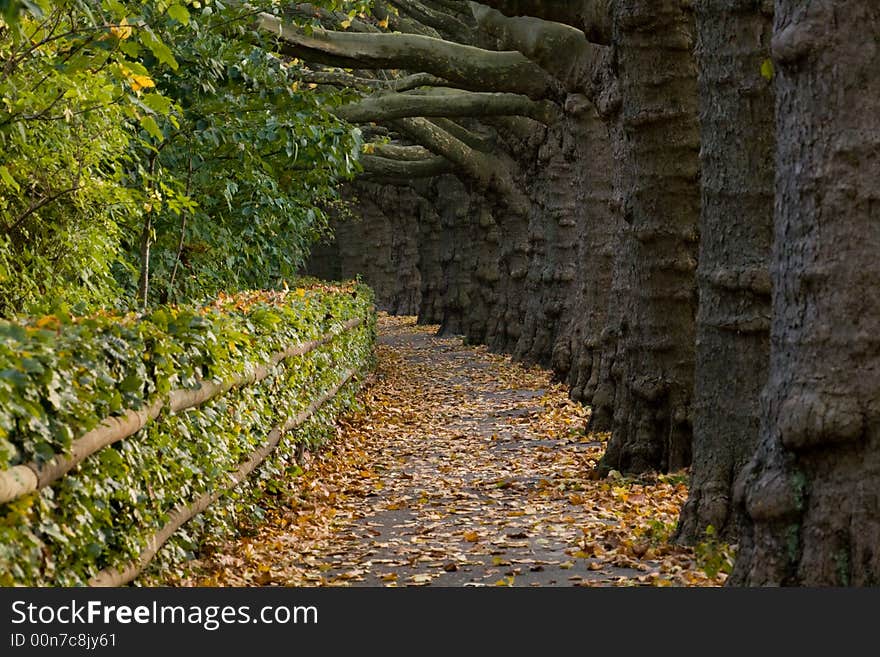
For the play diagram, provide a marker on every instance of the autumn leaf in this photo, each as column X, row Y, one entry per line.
column 122, row 31
column 407, row 492
column 138, row 82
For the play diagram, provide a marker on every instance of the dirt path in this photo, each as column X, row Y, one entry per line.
column 463, row 470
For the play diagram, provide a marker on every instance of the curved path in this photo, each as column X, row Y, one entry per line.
column 464, row 469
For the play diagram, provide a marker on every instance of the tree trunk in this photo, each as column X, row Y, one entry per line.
column 575, row 351
column 810, row 495
column 386, row 223
column 143, row 291
column 652, row 420
column 733, row 322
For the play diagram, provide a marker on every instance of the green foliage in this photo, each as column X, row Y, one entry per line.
column 166, row 120
column 657, row 532
column 65, row 88
column 713, row 555
column 60, row 376
column 257, row 158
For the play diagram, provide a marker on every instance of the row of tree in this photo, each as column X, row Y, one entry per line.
column 722, row 233
column 736, row 326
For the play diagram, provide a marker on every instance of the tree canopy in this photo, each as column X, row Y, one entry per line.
column 154, row 143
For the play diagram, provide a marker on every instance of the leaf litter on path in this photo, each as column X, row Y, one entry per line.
column 463, row 469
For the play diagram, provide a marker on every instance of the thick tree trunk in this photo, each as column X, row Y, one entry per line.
column 652, row 421
column 733, row 322
column 381, row 244
column 564, row 292
column 577, row 352
column 810, row 495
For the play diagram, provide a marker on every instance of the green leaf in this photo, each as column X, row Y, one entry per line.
column 130, row 48
column 157, row 102
column 8, row 179
column 179, row 13
column 149, row 124
column 767, row 69
column 158, row 48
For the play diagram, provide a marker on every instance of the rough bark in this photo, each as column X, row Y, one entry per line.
column 736, row 225
column 380, row 243
column 600, row 389
column 652, row 420
column 810, row 495
column 577, row 350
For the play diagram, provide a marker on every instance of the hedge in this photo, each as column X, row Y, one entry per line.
column 62, row 378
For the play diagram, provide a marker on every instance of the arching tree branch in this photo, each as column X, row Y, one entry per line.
column 593, row 17
column 399, row 152
column 401, row 23
column 469, row 137
column 308, row 11
column 561, row 50
column 469, row 67
column 396, row 106
column 446, row 24
column 338, row 78
column 491, row 171
column 387, row 167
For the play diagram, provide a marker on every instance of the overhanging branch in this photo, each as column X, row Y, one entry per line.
column 339, row 78
column 396, row 106
column 446, row 24
column 387, row 167
column 593, row 17
column 466, row 66
column 561, row 50
column 490, row 171
column 398, row 152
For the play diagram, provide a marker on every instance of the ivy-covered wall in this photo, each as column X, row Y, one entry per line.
column 61, row 376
